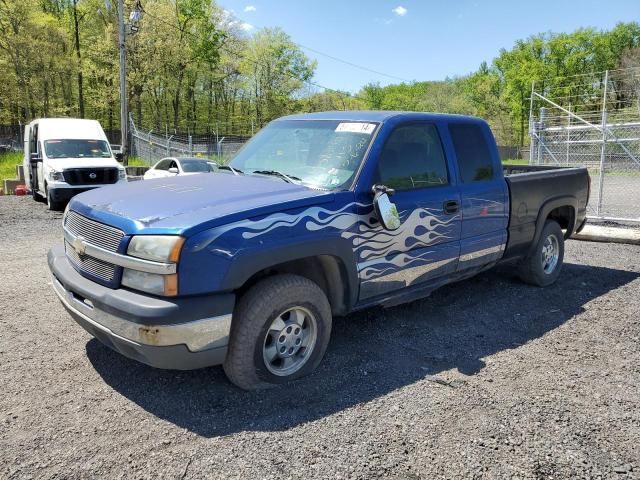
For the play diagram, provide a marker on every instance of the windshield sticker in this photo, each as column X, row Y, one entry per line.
column 356, row 127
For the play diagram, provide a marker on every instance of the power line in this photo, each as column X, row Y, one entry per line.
column 346, row 62
column 252, row 60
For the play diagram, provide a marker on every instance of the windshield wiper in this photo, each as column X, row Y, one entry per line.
column 283, row 176
column 235, row 171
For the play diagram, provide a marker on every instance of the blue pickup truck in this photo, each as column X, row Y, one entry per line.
column 318, row 215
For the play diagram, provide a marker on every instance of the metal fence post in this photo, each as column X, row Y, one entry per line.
column 531, row 124
column 543, row 112
column 603, row 148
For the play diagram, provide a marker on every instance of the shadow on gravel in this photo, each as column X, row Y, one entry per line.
column 371, row 354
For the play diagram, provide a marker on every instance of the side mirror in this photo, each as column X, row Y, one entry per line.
column 385, row 209
column 119, row 157
column 173, row 170
column 35, row 158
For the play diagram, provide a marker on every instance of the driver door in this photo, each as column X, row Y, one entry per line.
column 427, row 243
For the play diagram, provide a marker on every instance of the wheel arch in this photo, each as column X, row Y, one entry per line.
column 330, row 265
column 562, row 210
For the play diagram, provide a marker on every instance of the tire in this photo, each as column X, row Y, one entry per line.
column 53, row 205
column 543, row 266
column 289, row 304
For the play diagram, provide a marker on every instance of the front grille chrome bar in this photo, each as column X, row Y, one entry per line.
column 117, row 259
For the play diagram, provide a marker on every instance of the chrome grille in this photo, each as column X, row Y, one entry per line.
column 95, row 233
column 102, row 270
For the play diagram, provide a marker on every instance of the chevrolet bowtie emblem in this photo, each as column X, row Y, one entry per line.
column 79, row 245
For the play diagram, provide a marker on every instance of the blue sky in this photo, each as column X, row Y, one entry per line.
column 418, row 40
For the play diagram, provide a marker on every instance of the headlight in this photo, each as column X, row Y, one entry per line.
column 56, row 176
column 122, row 174
column 166, row 285
column 158, row 248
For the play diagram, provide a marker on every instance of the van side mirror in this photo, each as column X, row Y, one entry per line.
column 173, row 170
column 385, row 209
column 119, row 157
column 35, row 158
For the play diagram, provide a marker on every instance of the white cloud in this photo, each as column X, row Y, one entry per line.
column 400, row 11
column 246, row 26
column 250, row 8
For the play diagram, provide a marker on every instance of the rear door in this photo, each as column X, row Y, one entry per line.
column 36, row 147
column 485, row 199
column 413, row 162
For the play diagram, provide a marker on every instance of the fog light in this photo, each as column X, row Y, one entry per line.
column 166, row 285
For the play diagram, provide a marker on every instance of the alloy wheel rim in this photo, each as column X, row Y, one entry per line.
column 289, row 341
column 550, row 254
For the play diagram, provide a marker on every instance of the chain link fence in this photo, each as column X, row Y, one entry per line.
column 593, row 120
column 11, row 138
column 149, row 146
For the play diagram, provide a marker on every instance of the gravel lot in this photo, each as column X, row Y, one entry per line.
column 488, row 378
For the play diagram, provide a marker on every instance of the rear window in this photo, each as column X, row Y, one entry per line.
column 473, row 154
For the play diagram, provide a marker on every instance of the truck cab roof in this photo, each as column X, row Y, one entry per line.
column 380, row 116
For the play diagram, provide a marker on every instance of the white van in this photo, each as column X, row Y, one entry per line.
column 66, row 156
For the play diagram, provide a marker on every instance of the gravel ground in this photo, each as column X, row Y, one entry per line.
column 488, row 378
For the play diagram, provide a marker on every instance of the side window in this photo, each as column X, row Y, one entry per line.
column 413, row 157
column 163, row 165
column 34, row 147
column 473, row 154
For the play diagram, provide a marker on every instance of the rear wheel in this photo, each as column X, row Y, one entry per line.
column 543, row 266
column 280, row 331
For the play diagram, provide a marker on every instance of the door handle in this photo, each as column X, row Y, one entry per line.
column 451, row 206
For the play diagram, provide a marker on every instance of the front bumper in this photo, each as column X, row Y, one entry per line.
column 61, row 191
column 64, row 194
column 176, row 333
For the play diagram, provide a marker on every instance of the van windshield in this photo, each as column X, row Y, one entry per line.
column 319, row 153
column 77, row 149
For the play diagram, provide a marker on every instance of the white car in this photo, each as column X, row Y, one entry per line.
column 172, row 166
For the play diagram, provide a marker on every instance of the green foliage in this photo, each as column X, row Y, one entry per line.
column 191, row 66
column 500, row 92
column 8, row 162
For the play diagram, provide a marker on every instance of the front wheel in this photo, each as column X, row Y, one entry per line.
column 542, row 267
column 52, row 204
column 280, row 331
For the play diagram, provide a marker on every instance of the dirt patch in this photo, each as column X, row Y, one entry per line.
column 487, row 378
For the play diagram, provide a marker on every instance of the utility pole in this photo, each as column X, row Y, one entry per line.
column 124, row 114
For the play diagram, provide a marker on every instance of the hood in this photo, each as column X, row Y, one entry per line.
column 187, row 204
column 61, row 164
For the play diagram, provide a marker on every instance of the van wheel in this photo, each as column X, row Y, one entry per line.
column 52, row 204
column 280, row 332
column 543, row 266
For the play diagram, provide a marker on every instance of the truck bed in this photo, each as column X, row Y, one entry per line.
column 532, row 191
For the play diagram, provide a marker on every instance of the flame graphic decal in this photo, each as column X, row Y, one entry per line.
column 378, row 251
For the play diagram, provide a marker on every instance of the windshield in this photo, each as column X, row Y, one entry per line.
column 320, row 153
column 191, row 166
column 77, row 149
